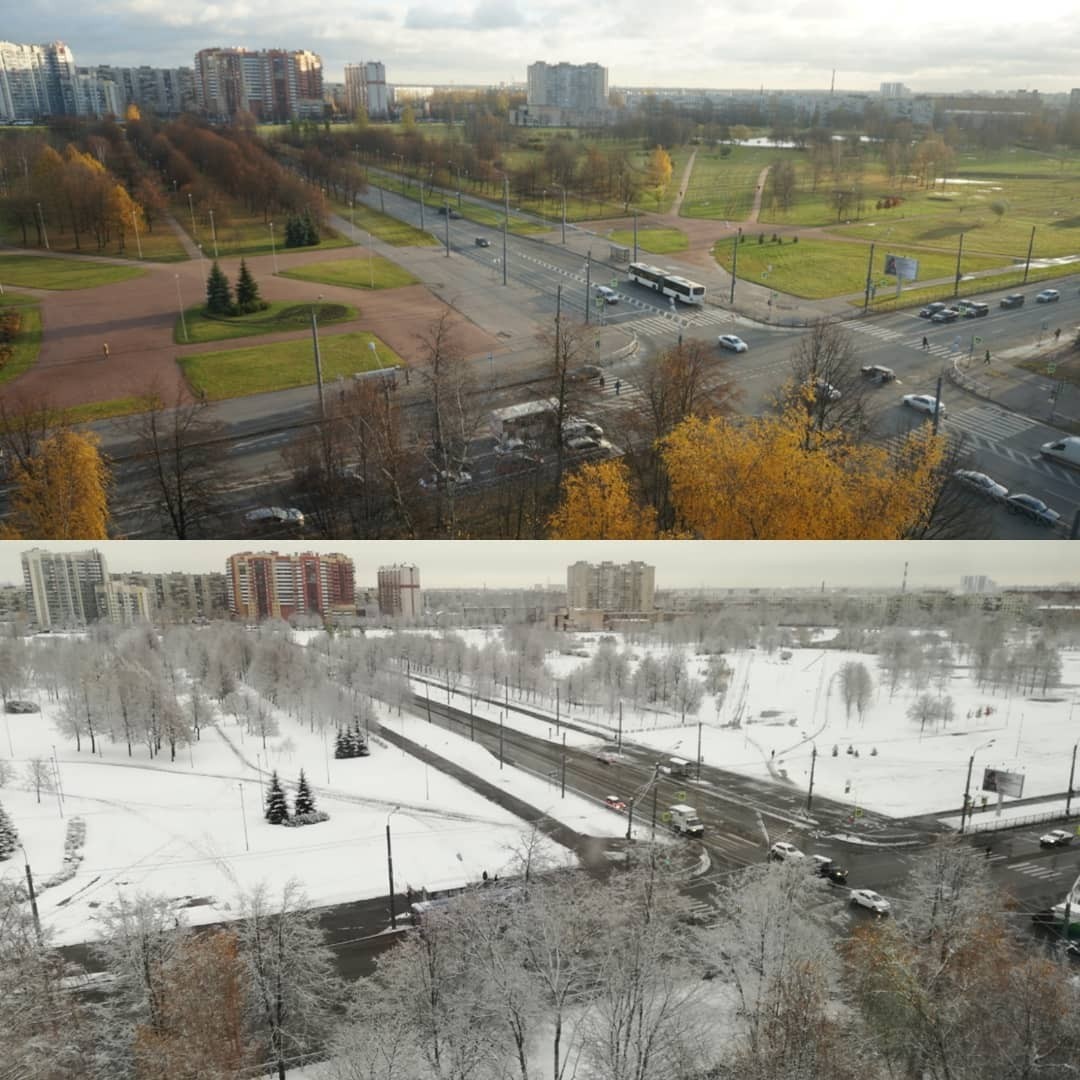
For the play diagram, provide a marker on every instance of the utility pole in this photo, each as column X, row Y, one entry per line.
column 629, row 822
column 243, row 814
column 620, row 726
column 965, row 812
column 421, row 204
column 959, row 252
column 557, row 688
column 563, row 793
column 810, row 792
column 869, row 276
column 1072, row 775
column 390, row 871
column 33, row 896
column 446, row 208
column 506, row 219
column 698, row 776
column 734, row 263
column 655, row 788
column 588, row 284
column 1027, row 263
column 635, row 236
column 937, row 405
column 318, row 361
column 564, row 215
column 427, row 700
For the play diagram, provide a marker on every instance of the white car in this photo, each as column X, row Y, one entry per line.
column 782, row 850
column 582, row 442
column 870, row 900
column 609, row 296
column 1047, row 296
column 286, row 516
column 826, row 390
column 578, row 425
column 730, row 341
column 1056, row 838
column 980, row 482
column 447, row 477
column 926, row 403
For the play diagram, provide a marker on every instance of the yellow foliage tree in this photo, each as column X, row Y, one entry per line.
column 598, row 504
column 659, row 172
column 61, row 492
column 776, row 478
column 132, row 112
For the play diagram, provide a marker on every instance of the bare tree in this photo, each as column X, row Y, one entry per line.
column 179, row 446
column 39, row 776
column 563, row 343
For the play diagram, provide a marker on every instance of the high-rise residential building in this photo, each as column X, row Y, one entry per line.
column 894, row 90
column 180, row 596
column 61, row 587
column 163, row 91
column 365, row 87
column 399, row 590
column 271, row 84
column 579, row 88
column 611, row 587
column 976, row 584
column 118, row 602
column 38, row 80
column 268, row 585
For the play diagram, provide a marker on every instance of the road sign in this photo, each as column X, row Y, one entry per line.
column 978, row 341
column 614, row 282
column 1051, row 368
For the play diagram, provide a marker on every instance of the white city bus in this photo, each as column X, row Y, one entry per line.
column 689, row 292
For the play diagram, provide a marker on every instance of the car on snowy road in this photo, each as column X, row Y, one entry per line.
column 782, row 850
column 1055, row 838
column 872, row 901
column 613, row 802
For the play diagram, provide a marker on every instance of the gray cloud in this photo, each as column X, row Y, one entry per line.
column 487, row 15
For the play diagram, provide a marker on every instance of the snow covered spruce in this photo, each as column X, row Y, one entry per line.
column 303, row 812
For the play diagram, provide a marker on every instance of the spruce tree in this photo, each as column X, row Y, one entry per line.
column 359, row 741
column 311, row 233
column 304, row 803
column 277, row 809
column 341, row 745
column 247, row 292
column 292, row 238
column 218, row 293
column 9, row 837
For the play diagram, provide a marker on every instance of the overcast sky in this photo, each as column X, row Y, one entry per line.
column 987, row 44
column 685, row 564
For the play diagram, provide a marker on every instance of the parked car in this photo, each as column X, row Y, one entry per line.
column 826, row 868
column 975, row 310
column 980, row 482
column 1033, row 508
column 782, row 850
column 826, row 390
column 20, row 707
column 578, row 425
column 482, row 241
column 586, row 371
column 608, row 295
column 926, row 403
column 931, row 310
column 878, row 373
column 872, row 901
column 1056, row 838
column 613, row 802
column 1047, row 296
column 949, row 314
column 283, row 515
column 732, row 342
column 1015, row 299
column 581, row 443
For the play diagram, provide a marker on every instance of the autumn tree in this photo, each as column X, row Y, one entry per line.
column 61, row 490
column 780, row 477
column 598, row 504
column 658, row 173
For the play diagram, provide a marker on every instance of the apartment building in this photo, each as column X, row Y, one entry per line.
column 268, row 585
column 164, row 91
column 62, row 587
column 271, row 84
column 580, row 87
column 611, row 587
column 399, row 591
column 365, row 87
column 124, row 604
column 179, row 596
column 36, row 81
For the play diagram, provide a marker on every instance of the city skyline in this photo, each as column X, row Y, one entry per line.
column 679, row 564
column 781, row 44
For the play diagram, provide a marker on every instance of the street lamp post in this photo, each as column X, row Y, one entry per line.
column 273, row 246
column 191, row 207
column 370, row 262
column 44, row 232
column 180, row 301
column 1072, row 776
column 135, row 226
column 318, row 358
column 564, row 215
column 965, row 812
column 390, row 868
column 33, row 895
column 213, row 231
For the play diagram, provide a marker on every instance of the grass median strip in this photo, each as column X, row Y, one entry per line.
column 383, row 227
column 658, row 241
column 280, row 315
column 27, row 341
column 260, row 369
column 42, row 272
column 358, row 273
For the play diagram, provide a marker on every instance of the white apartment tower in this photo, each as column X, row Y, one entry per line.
column 62, row 587
column 365, row 87
column 612, row 587
column 576, row 87
column 399, row 591
column 37, row 80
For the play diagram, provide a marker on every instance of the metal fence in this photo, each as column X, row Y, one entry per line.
column 995, row 823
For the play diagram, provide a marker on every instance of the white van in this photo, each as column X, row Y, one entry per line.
column 1064, row 451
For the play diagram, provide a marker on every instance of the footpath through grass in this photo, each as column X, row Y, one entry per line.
column 816, row 268
column 659, row 241
column 280, row 315
column 27, row 342
column 40, row 272
column 724, row 181
column 284, row 365
column 362, row 272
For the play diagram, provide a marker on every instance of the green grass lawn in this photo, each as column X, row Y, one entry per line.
column 658, row 241
column 816, row 268
column 104, row 410
column 722, row 185
column 32, row 272
column 161, row 245
column 239, row 232
column 280, row 315
column 284, row 364
column 27, row 341
column 358, row 273
column 389, row 230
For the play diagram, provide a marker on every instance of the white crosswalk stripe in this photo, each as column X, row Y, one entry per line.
column 873, row 330
column 702, row 911
column 1036, row 870
column 990, row 422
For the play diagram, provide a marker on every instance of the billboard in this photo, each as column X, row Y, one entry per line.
column 1004, row 783
column 901, row 267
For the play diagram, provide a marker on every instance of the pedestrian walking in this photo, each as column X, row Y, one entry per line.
column 988, row 851
column 618, row 386
column 986, row 358
column 105, row 350
column 1057, row 333
column 926, row 343
column 601, row 380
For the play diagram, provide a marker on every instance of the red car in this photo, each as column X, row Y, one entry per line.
column 613, row 802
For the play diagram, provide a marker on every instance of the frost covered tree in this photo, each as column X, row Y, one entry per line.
column 277, row 808
column 294, row 992
column 9, row 836
column 39, row 776
column 304, row 802
column 14, row 667
column 856, row 687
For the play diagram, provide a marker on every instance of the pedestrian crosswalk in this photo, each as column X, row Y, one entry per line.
column 883, row 333
column 701, row 911
column 1036, row 870
column 990, row 422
